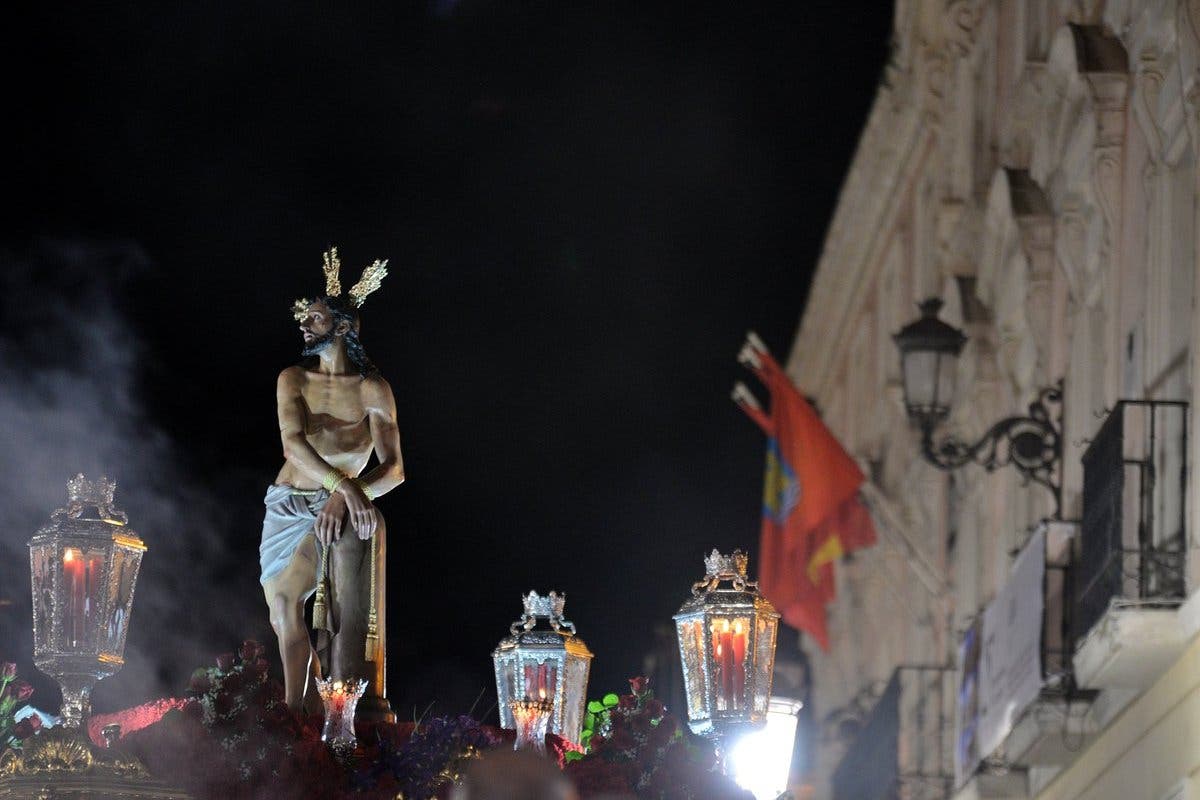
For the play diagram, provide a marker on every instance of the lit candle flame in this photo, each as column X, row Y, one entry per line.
column 542, row 694
column 68, row 554
column 337, row 686
column 718, row 650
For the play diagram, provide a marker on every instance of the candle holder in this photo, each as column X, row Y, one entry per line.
column 340, row 698
column 532, row 719
column 726, row 633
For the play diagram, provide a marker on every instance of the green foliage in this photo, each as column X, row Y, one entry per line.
column 13, row 696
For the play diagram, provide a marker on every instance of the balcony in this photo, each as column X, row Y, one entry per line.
column 903, row 750
column 1018, row 707
column 1130, row 578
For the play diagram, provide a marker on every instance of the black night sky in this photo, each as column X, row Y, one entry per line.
column 585, row 206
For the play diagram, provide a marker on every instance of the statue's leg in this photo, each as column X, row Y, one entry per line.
column 285, row 594
column 351, row 600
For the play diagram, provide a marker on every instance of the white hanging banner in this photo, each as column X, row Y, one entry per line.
column 1010, row 669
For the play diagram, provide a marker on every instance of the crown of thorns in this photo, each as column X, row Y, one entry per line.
column 372, row 278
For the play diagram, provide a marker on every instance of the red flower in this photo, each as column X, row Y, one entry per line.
column 251, row 650
column 663, row 732
column 225, row 661
column 639, row 685
column 621, row 739
column 21, row 691
column 8, row 671
column 654, row 708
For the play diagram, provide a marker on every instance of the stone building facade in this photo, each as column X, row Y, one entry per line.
column 1033, row 164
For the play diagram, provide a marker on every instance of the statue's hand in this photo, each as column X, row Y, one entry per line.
column 362, row 513
column 329, row 520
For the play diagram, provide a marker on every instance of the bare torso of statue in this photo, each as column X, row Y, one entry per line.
column 334, row 413
column 336, row 424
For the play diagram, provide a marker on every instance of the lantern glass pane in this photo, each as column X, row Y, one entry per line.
column 124, row 575
column 728, row 639
column 920, row 378
column 691, row 651
column 42, row 569
column 764, row 662
column 539, row 679
column 946, row 375
column 83, row 595
column 574, row 698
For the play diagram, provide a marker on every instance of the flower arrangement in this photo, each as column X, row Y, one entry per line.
column 434, row 755
column 235, row 739
column 634, row 746
column 13, row 695
column 235, row 691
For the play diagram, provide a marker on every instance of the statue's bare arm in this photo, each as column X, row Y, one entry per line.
column 385, row 435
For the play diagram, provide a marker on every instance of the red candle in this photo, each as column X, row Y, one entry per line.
column 739, row 662
column 73, row 574
column 724, row 658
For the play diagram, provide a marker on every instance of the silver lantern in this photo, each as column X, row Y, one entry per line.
column 726, row 633
column 543, row 660
column 84, row 566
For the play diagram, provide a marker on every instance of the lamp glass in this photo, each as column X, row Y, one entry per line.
column 929, row 382
column 761, row 760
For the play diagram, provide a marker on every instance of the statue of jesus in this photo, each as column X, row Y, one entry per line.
column 322, row 532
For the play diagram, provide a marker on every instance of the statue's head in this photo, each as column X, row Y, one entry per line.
column 334, row 317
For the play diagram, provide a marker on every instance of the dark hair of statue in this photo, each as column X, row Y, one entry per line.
column 341, row 311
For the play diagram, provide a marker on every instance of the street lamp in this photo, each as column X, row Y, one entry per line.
column 929, row 350
column 762, row 759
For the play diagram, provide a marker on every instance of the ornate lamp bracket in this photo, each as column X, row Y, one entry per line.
column 1032, row 444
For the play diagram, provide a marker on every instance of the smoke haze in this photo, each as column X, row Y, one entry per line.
column 71, row 402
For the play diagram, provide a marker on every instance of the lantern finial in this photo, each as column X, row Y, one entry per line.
column 720, row 567
column 717, row 564
column 549, row 608
column 83, row 493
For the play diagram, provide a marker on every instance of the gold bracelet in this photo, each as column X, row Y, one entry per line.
column 365, row 489
column 333, row 480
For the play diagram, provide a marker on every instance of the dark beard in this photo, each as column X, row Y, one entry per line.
column 317, row 345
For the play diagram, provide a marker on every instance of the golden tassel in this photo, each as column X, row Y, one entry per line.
column 321, row 603
column 372, row 648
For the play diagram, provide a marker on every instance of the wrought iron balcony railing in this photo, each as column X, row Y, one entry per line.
column 1133, row 538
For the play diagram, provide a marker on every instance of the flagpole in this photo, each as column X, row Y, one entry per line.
column 890, row 516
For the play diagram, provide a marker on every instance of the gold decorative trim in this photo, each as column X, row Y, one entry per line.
column 125, row 540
